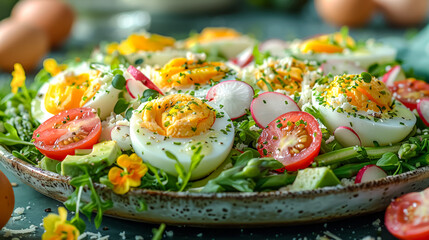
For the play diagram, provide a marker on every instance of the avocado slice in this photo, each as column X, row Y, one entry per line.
column 103, row 155
column 312, row 178
column 49, row 164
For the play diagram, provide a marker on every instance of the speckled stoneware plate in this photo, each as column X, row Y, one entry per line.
column 233, row 209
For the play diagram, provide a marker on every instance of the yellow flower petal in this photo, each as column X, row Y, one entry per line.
column 52, row 67
column 18, row 79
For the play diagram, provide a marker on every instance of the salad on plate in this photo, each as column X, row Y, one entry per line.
column 218, row 112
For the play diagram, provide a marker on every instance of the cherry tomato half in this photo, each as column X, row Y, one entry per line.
column 60, row 135
column 293, row 138
column 407, row 217
column 410, row 91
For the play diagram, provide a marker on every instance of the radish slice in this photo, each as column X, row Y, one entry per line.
column 423, row 110
column 269, row 105
column 394, row 74
column 244, row 58
column 121, row 134
column 337, row 67
column 234, row 96
column 347, row 137
column 370, row 173
column 276, row 47
column 139, row 76
column 135, row 88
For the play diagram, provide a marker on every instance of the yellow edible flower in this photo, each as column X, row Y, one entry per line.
column 52, row 67
column 129, row 175
column 58, row 228
column 18, row 79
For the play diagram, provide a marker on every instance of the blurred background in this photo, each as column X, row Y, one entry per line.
column 73, row 28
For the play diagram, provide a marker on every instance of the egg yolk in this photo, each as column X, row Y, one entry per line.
column 183, row 73
column 136, row 42
column 71, row 91
column 331, row 43
column 212, row 35
column 287, row 76
column 362, row 92
column 178, row 115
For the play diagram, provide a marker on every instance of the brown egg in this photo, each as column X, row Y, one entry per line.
column 55, row 17
column 404, row 13
column 7, row 200
column 352, row 13
column 21, row 43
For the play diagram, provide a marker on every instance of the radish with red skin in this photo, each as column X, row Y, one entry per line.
column 394, row 74
column 339, row 67
column 235, row 97
column 370, row 173
column 423, row 110
column 347, row 137
column 134, row 88
column 139, row 76
column 269, row 105
column 244, row 58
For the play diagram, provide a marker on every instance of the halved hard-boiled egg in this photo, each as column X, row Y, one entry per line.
column 364, row 104
column 75, row 87
column 190, row 75
column 145, row 49
column 181, row 123
column 286, row 74
column 340, row 46
column 225, row 41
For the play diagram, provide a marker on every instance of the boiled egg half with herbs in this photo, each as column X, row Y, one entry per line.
column 76, row 86
column 145, row 49
column 180, row 124
column 226, row 42
column 341, row 47
column 191, row 75
column 364, row 104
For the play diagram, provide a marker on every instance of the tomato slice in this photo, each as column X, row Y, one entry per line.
column 407, row 217
column 410, row 91
column 60, row 135
column 293, row 138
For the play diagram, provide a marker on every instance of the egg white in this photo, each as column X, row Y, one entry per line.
column 372, row 53
column 103, row 101
column 151, row 147
column 385, row 131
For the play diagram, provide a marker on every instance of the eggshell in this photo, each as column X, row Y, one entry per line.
column 21, row 43
column 55, row 17
column 404, row 13
column 352, row 13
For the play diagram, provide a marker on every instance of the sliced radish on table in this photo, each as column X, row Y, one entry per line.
column 121, row 134
column 269, row 105
column 234, row 96
column 423, row 110
column 394, row 74
column 370, row 173
column 244, row 58
column 135, row 88
column 347, row 137
column 139, row 76
column 338, row 67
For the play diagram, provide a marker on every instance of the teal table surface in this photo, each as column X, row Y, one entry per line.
column 262, row 24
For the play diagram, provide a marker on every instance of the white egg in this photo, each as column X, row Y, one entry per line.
column 103, row 101
column 384, row 130
column 151, row 147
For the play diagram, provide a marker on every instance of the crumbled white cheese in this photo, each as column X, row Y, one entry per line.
column 169, row 233
column 19, row 210
column 122, row 235
column 138, row 237
column 10, row 232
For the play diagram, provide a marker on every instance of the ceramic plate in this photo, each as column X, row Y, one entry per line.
column 233, row 209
